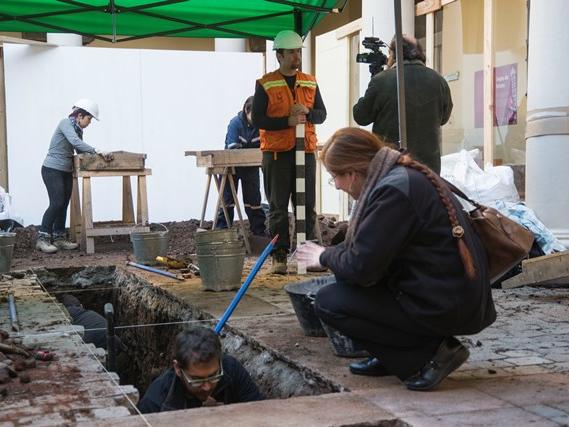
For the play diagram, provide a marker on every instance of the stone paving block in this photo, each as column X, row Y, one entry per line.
column 43, row 420
column 529, row 370
column 545, row 411
column 488, row 417
column 520, row 353
column 532, row 360
column 526, row 390
column 111, row 412
column 451, row 396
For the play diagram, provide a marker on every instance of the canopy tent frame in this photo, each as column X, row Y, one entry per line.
column 116, row 9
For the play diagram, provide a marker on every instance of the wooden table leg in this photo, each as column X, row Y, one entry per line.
column 220, row 187
column 238, row 207
column 204, row 205
column 127, row 205
column 75, row 213
column 142, row 202
column 87, row 217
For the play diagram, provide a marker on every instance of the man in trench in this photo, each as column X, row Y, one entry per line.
column 200, row 376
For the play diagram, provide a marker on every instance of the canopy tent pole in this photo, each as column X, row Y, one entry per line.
column 400, row 75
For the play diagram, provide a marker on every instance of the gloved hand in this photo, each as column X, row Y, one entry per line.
column 234, row 146
column 298, row 109
column 107, row 156
column 309, row 254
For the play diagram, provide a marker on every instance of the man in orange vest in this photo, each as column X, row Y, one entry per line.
column 283, row 99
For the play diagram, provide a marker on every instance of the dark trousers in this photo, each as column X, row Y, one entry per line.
column 280, row 181
column 250, row 186
column 374, row 319
column 59, row 185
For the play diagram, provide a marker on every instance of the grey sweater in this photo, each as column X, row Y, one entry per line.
column 63, row 143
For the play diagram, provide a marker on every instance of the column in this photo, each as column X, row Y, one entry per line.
column 547, row 132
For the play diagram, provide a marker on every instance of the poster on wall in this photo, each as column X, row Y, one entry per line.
column 505, row 96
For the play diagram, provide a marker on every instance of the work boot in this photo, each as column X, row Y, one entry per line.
column 279, row 261
column 60, row 241
column 44, row 243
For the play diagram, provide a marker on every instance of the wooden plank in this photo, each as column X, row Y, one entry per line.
column 122, row 160
column 227, row 158
column 127, row 205
column 350, row 28
column 488, row 83
column 115, row 231
column 86, row 174
column 544, row 270
column 142, row 202
column 87, row 217
column 75, row 213
column 427, row 6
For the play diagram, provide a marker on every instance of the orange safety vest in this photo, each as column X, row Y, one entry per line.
column 280, row 102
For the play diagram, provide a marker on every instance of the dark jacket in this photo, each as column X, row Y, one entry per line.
column 167, row 393
column 428, row 105
column 240, row 132
column 404, row 242
column 95, row 327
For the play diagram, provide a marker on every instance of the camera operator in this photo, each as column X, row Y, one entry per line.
column 428, row 104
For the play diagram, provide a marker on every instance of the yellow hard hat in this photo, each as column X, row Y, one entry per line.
column 287, row 39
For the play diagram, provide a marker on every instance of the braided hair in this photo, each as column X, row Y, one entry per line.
column 444, row 195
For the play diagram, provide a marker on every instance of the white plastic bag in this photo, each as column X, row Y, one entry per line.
column 486, row 187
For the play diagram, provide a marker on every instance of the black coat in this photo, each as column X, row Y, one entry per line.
column 428, row 105
column 404, row 242
column 167, row 393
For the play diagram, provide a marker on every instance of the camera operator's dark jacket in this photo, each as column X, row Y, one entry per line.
column 428, row 106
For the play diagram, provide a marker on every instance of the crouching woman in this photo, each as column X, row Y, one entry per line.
column 411, row 272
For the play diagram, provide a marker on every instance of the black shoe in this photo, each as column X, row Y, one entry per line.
column 371, row 367
column 449, row 356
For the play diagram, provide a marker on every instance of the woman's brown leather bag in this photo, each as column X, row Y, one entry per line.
column 506, row 242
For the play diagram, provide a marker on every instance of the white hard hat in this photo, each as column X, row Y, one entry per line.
column 287, row 39
column 88, row 105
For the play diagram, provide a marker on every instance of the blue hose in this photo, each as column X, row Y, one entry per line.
column 229, row 310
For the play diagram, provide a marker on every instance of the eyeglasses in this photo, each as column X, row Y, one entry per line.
column 193, row 381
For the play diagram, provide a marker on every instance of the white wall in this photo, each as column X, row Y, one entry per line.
column 151, row 101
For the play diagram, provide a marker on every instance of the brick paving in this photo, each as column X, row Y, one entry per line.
column 72, row 388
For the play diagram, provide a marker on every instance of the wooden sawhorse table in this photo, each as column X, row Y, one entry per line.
column 81, row 218
column 221, row 164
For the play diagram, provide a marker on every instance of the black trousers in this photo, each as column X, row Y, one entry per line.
column 251, row 188
column 59, row 185
column 280, row 182
column 374, row 319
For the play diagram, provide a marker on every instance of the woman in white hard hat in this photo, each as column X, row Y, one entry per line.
column 57, row 174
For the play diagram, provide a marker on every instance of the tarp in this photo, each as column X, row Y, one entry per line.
column 123, row 20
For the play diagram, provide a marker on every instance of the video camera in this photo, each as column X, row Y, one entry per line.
column 376, row 58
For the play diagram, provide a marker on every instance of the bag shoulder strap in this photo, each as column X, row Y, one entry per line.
column 459, row 193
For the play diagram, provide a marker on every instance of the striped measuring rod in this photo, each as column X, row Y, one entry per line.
column 300, row 190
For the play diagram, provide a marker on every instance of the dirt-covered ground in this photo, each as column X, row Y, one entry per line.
column 118, row 249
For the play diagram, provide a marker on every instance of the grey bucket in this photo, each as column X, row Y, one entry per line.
column 301, row 296
column 216, row 236
column 6, row 249
column 147, row 245
column 220, row 257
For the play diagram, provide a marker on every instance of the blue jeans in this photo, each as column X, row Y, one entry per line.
column 59, row 185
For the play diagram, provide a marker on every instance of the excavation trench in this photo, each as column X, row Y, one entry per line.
column 147, row 319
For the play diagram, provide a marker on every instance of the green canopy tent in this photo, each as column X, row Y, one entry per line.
column 124, row 20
